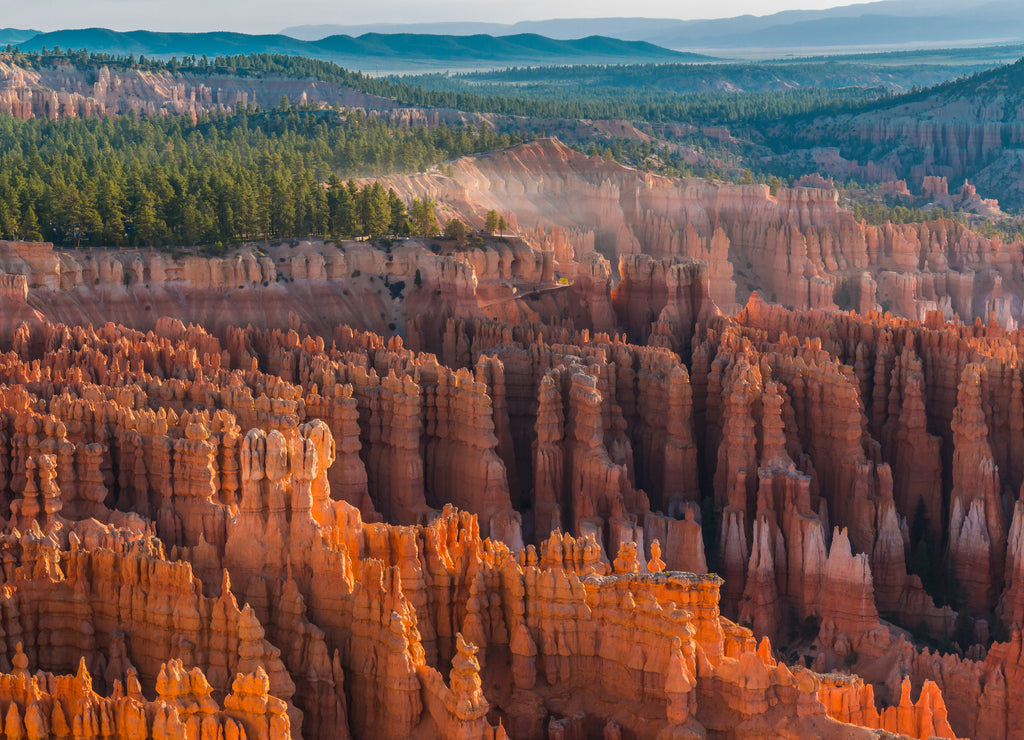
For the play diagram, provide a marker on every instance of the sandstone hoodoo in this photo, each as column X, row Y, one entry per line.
column 503, row 529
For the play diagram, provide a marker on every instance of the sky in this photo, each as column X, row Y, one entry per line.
column 270, row 16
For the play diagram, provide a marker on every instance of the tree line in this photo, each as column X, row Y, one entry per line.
column 623, row 94
column 876, row 213
column 224, row 177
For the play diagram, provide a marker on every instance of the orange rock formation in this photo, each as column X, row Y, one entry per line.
column 509, row 529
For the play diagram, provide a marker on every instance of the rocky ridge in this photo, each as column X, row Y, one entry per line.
column 969, row 128
column 64, row 90
column 798, row 247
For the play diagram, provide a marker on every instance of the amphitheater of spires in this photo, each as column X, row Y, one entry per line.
column 321, row 491
column 700, row 524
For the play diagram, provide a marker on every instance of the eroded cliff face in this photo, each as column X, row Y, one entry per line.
column 969, row 128
column 582, row 219
column 64, row 90
column 798, row 247
column 315, row 284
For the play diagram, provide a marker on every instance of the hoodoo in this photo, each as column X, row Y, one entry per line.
column 332, row 518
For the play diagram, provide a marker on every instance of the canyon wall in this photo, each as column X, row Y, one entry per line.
column 64, row 90
column 798, row 247
column 966, row 129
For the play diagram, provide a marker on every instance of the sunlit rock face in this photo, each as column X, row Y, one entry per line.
column 798, row 246
column 516, row 529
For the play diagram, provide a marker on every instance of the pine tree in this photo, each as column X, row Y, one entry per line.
column 146, row 229
column 456, row 230
column 229, row 176
column 8, row 227
column 399, row 219
column 492, row 221
column 343, row 213
column 424, row 221
column 374, row 210
column 321, row 214
column 29, row 230
column 190, row 221
column 112, row 215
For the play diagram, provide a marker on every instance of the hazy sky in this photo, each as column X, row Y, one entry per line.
column 270, row 16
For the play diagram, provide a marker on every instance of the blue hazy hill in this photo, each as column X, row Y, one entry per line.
column 385, row 52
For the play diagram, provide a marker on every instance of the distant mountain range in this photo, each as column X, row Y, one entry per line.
column 900, row 23
column 368, row 52
column 15, row 35
column 431, row 47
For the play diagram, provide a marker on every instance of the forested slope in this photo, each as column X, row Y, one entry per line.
column 223, row 177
